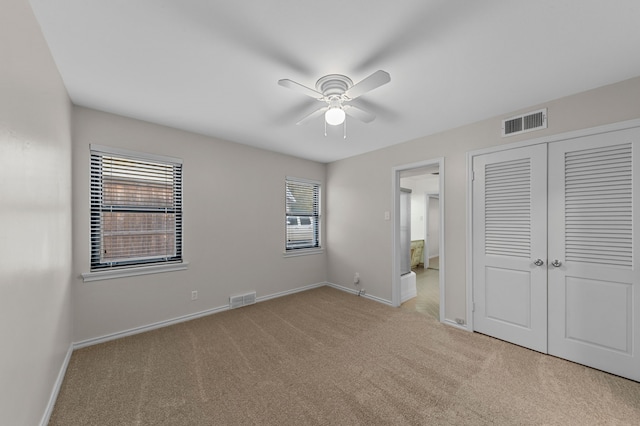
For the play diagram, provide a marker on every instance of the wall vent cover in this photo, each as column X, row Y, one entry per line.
column 249, row 298
column 239, row 300
column 235, row 302
column 525, row 123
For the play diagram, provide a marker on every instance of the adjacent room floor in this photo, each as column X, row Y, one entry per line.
column 427, row 300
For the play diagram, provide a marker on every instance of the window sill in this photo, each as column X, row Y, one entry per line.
column 133, row 271
column 302, row 252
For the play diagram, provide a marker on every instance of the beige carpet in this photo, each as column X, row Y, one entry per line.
column 325, row 357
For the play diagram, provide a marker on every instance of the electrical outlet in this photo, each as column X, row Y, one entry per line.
column 194, row 295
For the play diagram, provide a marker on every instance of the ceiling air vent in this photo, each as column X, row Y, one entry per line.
column 525, row 123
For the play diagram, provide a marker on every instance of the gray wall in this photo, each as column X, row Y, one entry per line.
column 234, row 204
column 35, row 218
column 358, row 237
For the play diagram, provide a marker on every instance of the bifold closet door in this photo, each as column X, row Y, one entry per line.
column 593, row 281
column 510, row 245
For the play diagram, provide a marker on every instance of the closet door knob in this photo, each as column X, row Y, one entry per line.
column 539, row 262
column 556, row 263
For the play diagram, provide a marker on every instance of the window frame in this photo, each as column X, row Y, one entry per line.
column 315, row 215
column 100, row 269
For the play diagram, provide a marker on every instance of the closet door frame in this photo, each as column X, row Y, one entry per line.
column 469, row 189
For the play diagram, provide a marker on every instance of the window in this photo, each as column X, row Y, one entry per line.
column 136, row 209
column 302, row 214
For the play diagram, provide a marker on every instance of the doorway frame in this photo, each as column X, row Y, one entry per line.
column 428, row 198
column 395, row 248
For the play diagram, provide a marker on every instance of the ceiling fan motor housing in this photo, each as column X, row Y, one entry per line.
column 333, row 85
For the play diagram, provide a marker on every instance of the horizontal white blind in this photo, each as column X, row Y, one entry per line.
column 302, row 217
column 598, row 206
column 136, row 211
column 508, row 208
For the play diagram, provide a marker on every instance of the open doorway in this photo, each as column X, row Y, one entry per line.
column 421, row 290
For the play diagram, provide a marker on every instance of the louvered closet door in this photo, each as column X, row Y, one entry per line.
column 594, row 292
column 510, row 228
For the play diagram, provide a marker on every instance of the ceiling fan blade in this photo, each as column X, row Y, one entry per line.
column 375, row 80
column 360, row 114
column 314, row 114
column 290, row 84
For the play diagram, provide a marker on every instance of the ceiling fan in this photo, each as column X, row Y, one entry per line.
column 336, row 91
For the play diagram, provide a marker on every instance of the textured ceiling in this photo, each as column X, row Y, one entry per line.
column 212, row 67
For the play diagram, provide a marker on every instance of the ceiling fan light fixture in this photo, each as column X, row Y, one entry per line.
column 334, row 116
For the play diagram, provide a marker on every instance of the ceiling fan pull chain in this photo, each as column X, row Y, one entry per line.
column 325, row 128
column 344, row 128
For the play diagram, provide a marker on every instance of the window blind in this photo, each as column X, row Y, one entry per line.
column 136, row 210
column 302, row 214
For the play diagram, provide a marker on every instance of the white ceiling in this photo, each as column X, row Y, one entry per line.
column 212, row 66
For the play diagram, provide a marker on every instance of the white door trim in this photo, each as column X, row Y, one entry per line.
column 469, row 160
column 395, row 261
column 428, row 196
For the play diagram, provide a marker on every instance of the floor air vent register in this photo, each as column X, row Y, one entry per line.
column 242, row 300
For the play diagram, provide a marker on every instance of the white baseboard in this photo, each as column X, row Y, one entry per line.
column 448, row 322
column 367, row 296
column 145, row 328
column 169, row 322
column 188, row 317
column 452, row 323
column 56, row 388
column 345, row 289
column 288, row 292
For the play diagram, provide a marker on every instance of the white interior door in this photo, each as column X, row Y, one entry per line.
column 509, row 236
column 594, row 291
